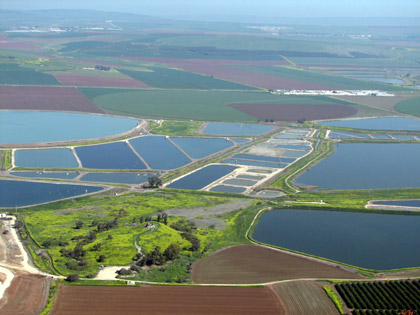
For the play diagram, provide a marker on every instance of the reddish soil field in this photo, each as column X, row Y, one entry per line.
column 26, row 295
column 294, row 112
column 255, row 264
column 14, row 44
column 165, row 300
column 83, row 80
column 45, row 98
column 220, row 69
column 305, row 297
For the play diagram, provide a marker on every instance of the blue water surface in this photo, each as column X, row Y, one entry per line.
column 385, row 123
column 374, row 241
column 367, row 166
column 114, row 155
column 43, row 126
column 198, row 148
column 22, row 193
column 159, row 152
column 203, row 177
column 46, row 158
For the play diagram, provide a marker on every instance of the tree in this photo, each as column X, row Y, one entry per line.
column 73, row 277
column 172, row 252
column 79, row 224
column 154, row 182
column 101, row 258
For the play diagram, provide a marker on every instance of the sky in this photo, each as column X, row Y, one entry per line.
column 261, row 8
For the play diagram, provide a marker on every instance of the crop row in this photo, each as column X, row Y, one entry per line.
column 384, row 312
column 379, row 295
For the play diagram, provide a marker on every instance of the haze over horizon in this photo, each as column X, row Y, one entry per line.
column 252, row 9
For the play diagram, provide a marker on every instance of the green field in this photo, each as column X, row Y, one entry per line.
column 166, row 78
column 361, row 62
column 409, row 107
column 338, row 82
column 177, row 128
column 56, row 223
column 13, row 74
column 190, row 104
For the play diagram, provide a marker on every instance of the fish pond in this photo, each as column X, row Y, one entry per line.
column 114, row 155
column 399, row 203
column 228, row 189
column 385, row 123
column 53, row 175
column 203, row 177
column 46, row 158
column 366, row 166
column 236, row 129
column 159, row 152
column 36, row 126
column 198, row 148
column 24, row 193
column 366, row 240
column 119, row 178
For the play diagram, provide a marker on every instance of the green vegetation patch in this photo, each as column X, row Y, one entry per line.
column 5, row 159
column 80, row 235
column 335, row 298
column 338, row 82
column 409, row 107
column 191, row 104
column 178, row 128
column 178, row 79
column 13, row 74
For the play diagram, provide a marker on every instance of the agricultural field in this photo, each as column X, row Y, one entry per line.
column 336, row 82
column 13, row 74
column 409, row 107
column 384, row 296
column 27, row 295
column 304, row 298
column 167, row 78
column 45, row 98
column 165, row 299
column 205, row 105
column 295, row 112
column 99, row 81
column 261, row 265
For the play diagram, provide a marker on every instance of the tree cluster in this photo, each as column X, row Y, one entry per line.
column 103, row 68
column 195, row 242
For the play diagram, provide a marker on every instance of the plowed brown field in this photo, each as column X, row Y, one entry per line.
column 45, row 98
column 294, row 112
column 165, row 300
column 255, row 264
column 305, row 298
column 26, row 295
column 81, row 80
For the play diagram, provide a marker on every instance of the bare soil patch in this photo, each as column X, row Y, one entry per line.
column 15, row 44
column 255, row 264
column 294, row 112
column 3, row 277
column 84, row 80
column 305, row 298
column 205, row 217
column 45, row 98
column 26, row 295
column 165, row 300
